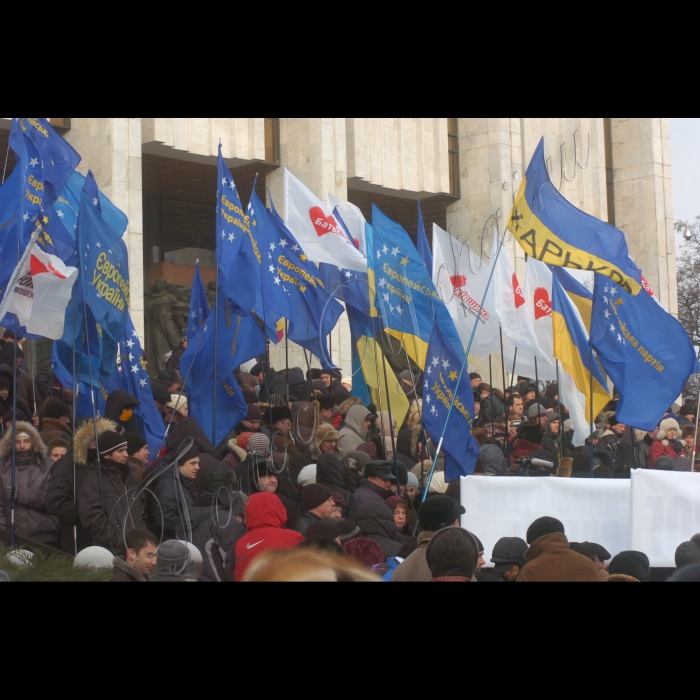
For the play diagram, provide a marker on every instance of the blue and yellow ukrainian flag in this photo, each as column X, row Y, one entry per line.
column 553, row 230
column 572, row 350
column 579, row 295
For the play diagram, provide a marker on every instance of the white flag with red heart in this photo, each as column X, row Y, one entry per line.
column 322, row 238
column 39, row 291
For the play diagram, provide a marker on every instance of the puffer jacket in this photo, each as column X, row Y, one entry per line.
column 31, row 476
column 59, row 491
column 265, row 517
column 376, row 521
column 108, row 520
column 352, row 435
column 215, row 533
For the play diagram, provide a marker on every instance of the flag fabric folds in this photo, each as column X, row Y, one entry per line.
column 351, row 219
column 572, row 350
column 133, row 377
column 199, row 306
column 552, row 230
column 291, row 286
column 441, row 383
column 405, row 295
column 644, row 350
column 316, row 229
column 422, row 241
column 581, row 298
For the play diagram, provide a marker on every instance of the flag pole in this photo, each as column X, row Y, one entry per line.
column 461, row 371
column 13, row 502
column 74, row 386
column 695, row 440
column 491, row 385
column 561, row 426
column 391, row 417
column 590, row 409
column 286, row 354
column 216, row 353
column 503, row 372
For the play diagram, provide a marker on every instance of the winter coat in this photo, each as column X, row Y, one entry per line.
column 285, row 447
column 52, row 428
column 109, row 520
column 415, row 565
column 305, row 419
column 659, row 449
column 265, row 518
column 407, row 446
column 523, row 448
column 189, row 428
column 31, row 518
column 352, row 435
column 59, row 491
column 496, row 462
column 493, row 406
column 306, row 519
column 43, row 380
column 123, row 573
column 550, row 558
column 610, row 441
column 215, row 533
column 272, row 383
column 376, row 521
column 170, row 503
column 334, row 474
column 25, row 389
column 641, row 451
column 298, row 386
column 367, row 492
column 115, row 404
column 550, row 444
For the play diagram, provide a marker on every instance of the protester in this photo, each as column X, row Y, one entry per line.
column 357, row 423
column 508, row 557
column 493, row 403
column 109, row 500
column 282, row 440
column 666, row 443
column 57, row 448
column 56, row 421
column 549, row 557
column 452, row 556
column 140, row 560
column 172, row 562
column 119, row 408
column 376, row 521
column 366, row 551
column 376, row 485
column 317, row 504
column 688, row 552
column 631, row 564
column 32, row 472
column 331, row 472
column 475, row 379
column 265, row 520
column 137, row 449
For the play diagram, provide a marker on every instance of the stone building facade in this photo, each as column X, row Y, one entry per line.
column 162, row 173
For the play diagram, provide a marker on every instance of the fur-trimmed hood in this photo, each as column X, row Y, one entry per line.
column 85, row 435
column 38, row 445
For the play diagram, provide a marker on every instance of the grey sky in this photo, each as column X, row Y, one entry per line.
column 685, row 161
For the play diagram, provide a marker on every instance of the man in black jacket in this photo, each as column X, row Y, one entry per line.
column 317, row 503
column 140, row 559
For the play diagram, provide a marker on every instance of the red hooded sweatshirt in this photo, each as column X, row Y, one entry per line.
column 265, row 517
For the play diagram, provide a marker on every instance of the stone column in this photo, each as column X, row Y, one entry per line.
column 643, row 193
column 111, row 148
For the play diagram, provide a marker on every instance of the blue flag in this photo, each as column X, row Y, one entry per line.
column 237, row 276
column 199, row 306
column 239, row 340
column 644, row 350
column 58, row 158
column 86, row 395
column 554, row 231
column 133, row 377
column 405, row 294
column 441, row 382
column 291, row 286
column 422, row 242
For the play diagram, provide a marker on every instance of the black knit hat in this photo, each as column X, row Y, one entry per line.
column 254, row 413
column 110, row 441
column 314, row 495
column 474, row 375
column 160, row 393
column 192, row 453
column 543, row 526
column 452, row 552
column 55, row 409
column 134, row 442
column 438, row 512
column 631, row 563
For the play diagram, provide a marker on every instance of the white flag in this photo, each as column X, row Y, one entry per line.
column 315, row 228
column 39, row 291
column 519, row 331
column 353, row 219
column 460, row 277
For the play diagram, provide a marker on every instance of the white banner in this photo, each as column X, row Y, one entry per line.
column 665, row 512
column 593, row 510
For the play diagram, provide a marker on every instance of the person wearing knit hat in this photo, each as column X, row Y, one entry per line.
column 113, row 446
column 543, row 526
column 316, row 503
column 475, row 379
column 452, row 555
column 137, row 449
column 667, row 443
column 252, row 420
column 56, row 421
column 173, row 557
column 411, row 488
column 259, row 444
column 348, row 530
column 179, row 403
column 688, row 552
column 630, row 563
column 537, row 413
column 323, row 527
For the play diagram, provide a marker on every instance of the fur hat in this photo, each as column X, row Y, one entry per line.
column 280, row 413
column 325, row 433
column 666, row 425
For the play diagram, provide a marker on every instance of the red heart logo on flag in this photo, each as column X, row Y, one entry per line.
column 543, row 305
column 37, row 267
column 458, row 281
column 518, row 292
column 322, row 223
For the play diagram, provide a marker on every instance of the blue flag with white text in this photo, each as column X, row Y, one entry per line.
column 441, row 381
column 644, row 350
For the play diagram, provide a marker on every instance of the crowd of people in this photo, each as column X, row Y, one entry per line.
column 311, row 484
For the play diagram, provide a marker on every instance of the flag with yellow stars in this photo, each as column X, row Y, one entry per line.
column 442, row 384
column 406, row 298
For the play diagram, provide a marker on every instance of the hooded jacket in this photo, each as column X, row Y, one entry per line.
column 265, row 518
column 298, row 386
column 352, row 435
column 31, row 518
column 495, row 461
column 59, row 490
column 376, row 521
column 215, row 532
column 115, row 404
column 549, row 558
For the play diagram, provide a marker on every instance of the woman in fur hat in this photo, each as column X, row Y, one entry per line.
column 32, row 469
column 667, row 443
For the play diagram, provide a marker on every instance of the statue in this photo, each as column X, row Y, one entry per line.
column 168, row 314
